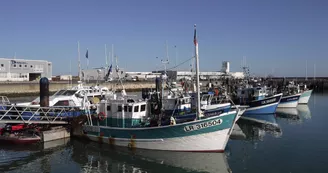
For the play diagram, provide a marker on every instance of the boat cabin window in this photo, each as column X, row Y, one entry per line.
column 125, row 108
column 108, row 108
column 62, row 103
column 143, row 108
column 119, row 108
column 130, row 108
column 66, row 92
column 136, row 108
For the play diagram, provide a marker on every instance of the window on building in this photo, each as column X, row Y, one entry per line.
column 25, row 65
column 125, row 108
column 108, row 108
column 143, row 108
column 20, row 65
column 14, row 65
column 2, row 65
column 31, row 66
column 136, row 108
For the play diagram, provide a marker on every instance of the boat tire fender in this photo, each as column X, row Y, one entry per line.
column 101, row 116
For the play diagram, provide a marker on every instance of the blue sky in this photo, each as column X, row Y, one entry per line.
column 275, row 36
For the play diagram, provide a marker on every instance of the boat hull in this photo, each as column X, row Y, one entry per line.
column 18, row 140
column 265, row 106
column 305, row 97
column 206, row 135
column 289, row 101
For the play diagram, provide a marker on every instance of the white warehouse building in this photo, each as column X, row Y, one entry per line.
column 24, row 70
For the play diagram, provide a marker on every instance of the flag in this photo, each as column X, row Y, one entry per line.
column 195, row 36
column 87, row 54
column 110, row 69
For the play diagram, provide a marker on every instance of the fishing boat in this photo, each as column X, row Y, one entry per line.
column 258, row 101
column 133, row 123
column 289, row 101
column 72, row 97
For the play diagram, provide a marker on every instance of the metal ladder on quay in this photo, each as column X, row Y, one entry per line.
column 37, row 115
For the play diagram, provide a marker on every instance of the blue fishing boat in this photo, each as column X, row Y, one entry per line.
column 258, row 101
column 289, row 101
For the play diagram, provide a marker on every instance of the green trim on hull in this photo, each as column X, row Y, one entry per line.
column 306, row 93
column 180, row 130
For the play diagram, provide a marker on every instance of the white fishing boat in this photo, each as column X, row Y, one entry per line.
column 73, row 96
column 128, row 122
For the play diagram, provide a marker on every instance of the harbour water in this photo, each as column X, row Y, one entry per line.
column 296, row 141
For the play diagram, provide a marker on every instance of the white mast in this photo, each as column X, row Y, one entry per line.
column 199, row 114
column 112, row 53
column 176, row 57
column 314, row 72
column 79, row 59
column 167, row 53
column 306, row 78
column 106, row 56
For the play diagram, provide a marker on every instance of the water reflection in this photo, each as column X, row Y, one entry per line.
column 103, row 158
column 257, row 130
column 304, row 111
column 289, row 114
column 17, row 156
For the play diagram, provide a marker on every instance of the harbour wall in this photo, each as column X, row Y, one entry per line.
column 18, row 89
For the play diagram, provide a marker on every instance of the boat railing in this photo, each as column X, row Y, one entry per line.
column 4, row 100
column 37, row 115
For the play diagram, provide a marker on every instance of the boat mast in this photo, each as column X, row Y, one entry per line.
column 106, row 56
column 306, row 78
column 197, row 74
column 78, row 51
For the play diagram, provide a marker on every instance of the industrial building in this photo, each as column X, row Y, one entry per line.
column 225, row 72
column 99, row 74
column 24, row 70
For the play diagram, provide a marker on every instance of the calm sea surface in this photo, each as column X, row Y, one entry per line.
column 295, row 142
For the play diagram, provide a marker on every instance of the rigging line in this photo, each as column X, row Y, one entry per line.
column 180, row 63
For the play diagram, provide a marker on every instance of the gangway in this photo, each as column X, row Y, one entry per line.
column 37, row 115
